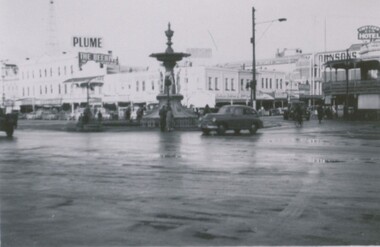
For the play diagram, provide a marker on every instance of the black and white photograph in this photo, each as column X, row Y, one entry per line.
column 189, row 123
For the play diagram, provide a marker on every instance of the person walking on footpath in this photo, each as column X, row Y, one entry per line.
column 320, row 113
column 162, row 114
column 169, row 119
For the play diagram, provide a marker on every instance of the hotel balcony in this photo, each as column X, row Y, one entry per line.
column 354, row 87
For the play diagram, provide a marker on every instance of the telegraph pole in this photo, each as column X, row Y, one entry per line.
column 253, row 82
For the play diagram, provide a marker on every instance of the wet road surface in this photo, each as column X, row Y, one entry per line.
column 315, row 185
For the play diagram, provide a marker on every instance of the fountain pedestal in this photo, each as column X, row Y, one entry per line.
column 183, row 117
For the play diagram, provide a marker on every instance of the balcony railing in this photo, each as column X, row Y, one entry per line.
column 354, row 87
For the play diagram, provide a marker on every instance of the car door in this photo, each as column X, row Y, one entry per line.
column 238, row 118
column 249, row 118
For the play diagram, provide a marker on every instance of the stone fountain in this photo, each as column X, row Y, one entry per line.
column 170, row 95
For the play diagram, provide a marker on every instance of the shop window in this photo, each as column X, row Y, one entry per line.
column 216, row 84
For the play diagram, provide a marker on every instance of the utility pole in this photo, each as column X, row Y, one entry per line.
column 253, row 82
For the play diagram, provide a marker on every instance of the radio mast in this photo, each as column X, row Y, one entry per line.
column 52, row 45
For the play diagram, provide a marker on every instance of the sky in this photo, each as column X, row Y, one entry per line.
column 134, row 29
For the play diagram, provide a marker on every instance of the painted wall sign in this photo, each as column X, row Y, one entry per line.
column 368, row 33
column 334, row 56
column 87, row 42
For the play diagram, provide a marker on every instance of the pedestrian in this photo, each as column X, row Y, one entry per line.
column 100, row 116
column 162, row 114
column 128, row 113
column 320, row 113
column 139, row 114
column 206, row 110
column 169, row 119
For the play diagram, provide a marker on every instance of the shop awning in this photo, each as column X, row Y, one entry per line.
column 90, row 81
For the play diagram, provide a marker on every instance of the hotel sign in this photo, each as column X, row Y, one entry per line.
column 84, row 57
column 369, row 33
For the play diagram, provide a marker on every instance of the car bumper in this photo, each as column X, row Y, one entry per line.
column 208, row 126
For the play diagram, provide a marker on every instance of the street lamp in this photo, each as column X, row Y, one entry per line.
column 253, row 82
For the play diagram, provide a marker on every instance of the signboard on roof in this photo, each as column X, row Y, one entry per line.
column 369, row 33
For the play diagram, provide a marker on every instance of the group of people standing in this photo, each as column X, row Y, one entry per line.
column 166, row 118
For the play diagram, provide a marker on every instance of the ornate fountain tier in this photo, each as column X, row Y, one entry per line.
column 183, row 117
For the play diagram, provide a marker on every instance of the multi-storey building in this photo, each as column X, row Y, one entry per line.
column 352, row 84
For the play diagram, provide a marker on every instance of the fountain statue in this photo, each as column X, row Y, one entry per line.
column 170, row 96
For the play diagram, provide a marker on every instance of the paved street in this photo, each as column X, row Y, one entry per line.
column 314, row 185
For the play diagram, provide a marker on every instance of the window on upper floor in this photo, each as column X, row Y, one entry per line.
column 59, row 71
column 262, row 82
column 143, row 86
column 232, row 85
column 209, row 83
column 71, row 69
column 266, row 82
column 40, row 73
column 242, row 84
column 45, row 73
column 226, row 84
column 270, row 83
column 137, row 86
column 64, row 70
column 51, row 72
column 216, row 84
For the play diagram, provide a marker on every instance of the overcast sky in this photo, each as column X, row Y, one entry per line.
column 133, row 29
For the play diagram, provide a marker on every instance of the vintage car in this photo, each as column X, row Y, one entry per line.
column 8, row 122
column 231, row 117
column 291, row 112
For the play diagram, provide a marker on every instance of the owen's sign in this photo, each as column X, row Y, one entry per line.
column 87, row 42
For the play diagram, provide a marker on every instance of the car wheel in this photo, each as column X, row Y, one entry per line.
column 206, row 131
column 9, row 131
column 253, row 129
column 221, row 129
